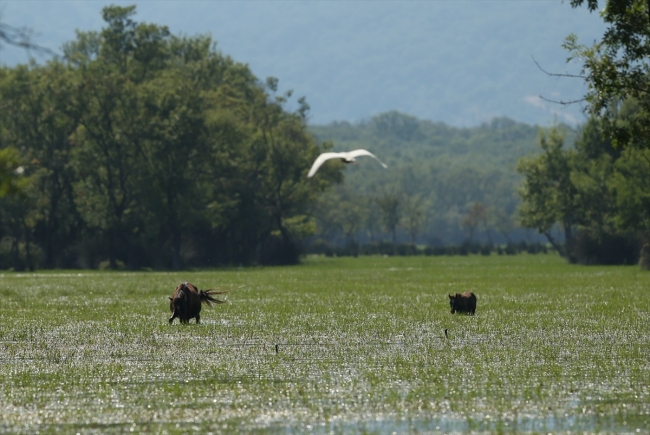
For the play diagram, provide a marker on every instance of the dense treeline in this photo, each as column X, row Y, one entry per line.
column 139, row 148
column 152, row 150
column 489, row 185
column 606, row 183
column 147, row 149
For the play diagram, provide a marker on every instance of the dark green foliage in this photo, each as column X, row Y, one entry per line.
column 614, row 183
column 549, row 194
column 597, row 195
column 156, row 151
column 616, row 70
column 605, row 249
column 12, row 180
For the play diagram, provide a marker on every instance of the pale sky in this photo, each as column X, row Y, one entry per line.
column 459, row 62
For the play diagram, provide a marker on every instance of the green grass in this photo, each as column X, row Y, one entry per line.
column 361, row 349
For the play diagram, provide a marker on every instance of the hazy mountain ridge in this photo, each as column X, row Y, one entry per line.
column 447, row 170
column 462, row 63
column 500, row 141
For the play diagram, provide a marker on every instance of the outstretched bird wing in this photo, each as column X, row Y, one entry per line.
column 320, row 160
column 362, row 152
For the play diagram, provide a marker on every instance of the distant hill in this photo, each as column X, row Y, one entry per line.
column 458, row 62
column 448, row 169
column 405, row 140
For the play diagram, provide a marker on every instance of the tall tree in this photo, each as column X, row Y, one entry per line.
column 414, row 215
column 476, row 216
column 502, row 221
column 389, row 204
column 284, row 190
column 40, row 124
column 548, row 194
column 111, row 67
column 616, row 69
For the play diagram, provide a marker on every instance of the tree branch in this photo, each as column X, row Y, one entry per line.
column 564, row 103
column 20, row 37
column 556, row 245
column 574, row 76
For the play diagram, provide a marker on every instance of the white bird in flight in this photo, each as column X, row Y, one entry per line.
column 345, row 158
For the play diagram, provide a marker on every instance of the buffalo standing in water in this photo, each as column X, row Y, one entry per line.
column 186, row 302
column 463, row 302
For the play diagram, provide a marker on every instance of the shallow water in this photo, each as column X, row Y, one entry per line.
column 360, row 349
column 480, row 424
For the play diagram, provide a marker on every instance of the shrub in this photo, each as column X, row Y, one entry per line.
column 605, row 249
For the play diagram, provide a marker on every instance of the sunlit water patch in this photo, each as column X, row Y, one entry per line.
column 345, row 347
column 475, row 424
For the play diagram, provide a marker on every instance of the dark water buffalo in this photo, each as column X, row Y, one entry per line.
column 186, row 302
column 463, row 302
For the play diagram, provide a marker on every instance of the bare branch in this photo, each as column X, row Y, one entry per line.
column 20, row 37
column 564, row 103
column 574, row 76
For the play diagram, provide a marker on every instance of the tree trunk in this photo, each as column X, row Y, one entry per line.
column 176, row 250
column 126, row 238
column 471, row 234
column 553, row 243
column 489, row 235
column 15, row 253
column 28, row 253
column 568, row 233
column 49, row 248
column 112, row 261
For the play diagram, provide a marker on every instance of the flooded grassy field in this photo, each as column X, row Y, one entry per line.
column 331, row 346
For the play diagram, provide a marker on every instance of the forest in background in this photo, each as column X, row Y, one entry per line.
column 444, row 185
column 142, row 149
column 501, row 183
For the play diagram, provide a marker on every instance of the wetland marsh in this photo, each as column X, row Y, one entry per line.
column 335, row 345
